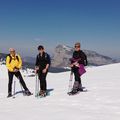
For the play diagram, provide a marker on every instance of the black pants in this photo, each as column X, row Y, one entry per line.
column 19, row 76
column 42, row 78
column 77, row 82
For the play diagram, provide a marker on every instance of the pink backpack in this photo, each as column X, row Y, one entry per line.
column 82, row 69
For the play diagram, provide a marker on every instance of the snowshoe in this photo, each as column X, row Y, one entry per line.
column 9, row 95
column 73, row 92
column 27, row 93
column 42, row 93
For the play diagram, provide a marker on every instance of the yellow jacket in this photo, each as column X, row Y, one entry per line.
column 15, row 63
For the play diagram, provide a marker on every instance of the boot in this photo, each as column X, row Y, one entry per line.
column 42, row 93
column 27, row 93
column 74, row 91
column 9, row 95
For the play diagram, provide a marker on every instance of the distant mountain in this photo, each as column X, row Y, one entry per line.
column 61, row 56
column 29, row 59
column 118, row 59
column 29, row 62
column 26, row 64
column 63, row 53
column 2, row 56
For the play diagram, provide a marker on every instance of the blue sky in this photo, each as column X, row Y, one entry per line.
column 24, row 24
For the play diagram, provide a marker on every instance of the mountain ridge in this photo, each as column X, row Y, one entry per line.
column 61, row 56
column 63, row 53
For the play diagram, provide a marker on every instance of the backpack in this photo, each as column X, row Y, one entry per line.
column 11, row 58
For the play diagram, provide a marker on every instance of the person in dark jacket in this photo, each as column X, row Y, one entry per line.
column 41, row 67
column 78, row 58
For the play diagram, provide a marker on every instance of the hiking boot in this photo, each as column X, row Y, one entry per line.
column 42, row 93
column 9, row 95
column 74, row 91
column 79, row 89
column 27, row 93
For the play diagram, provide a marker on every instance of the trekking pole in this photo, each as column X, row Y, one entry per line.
column 14, row 89
column 36, row 86
column 70, row 82
column 21, row 86
column 22, row 89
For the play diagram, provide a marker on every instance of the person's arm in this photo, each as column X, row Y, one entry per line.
column 48, row 60
column 20, row 62
column 83, row 58
column 9, row 67
column 85, row 61
column 48, row 64
column 46, row 68
column 37, row 65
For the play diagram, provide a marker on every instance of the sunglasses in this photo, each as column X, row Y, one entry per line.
column 12, row 51
column 76, row 46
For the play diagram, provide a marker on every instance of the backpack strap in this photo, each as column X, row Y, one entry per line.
column 11, row 58
column 17, row 58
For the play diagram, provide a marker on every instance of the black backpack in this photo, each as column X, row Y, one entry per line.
column 11, row 58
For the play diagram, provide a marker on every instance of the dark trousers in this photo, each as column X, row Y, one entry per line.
column 19, row 76
column 77, row 83
column 42, row 78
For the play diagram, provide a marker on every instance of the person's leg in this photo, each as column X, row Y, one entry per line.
column 10, row 75
column 77, row 84
column 19, row 76
column 44, row 81
column 40, row 77
column 77, row 76
column 43, row 84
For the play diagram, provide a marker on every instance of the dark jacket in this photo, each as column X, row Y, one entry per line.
column 80, row 57
column 42, row 61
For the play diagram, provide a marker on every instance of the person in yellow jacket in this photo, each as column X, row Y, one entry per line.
column 14, row 64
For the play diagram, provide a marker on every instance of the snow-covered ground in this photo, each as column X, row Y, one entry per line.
column 101, row 102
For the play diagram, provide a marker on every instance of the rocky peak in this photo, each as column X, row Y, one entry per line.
column 63, row 53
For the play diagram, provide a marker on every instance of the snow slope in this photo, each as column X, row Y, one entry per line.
column 101, row 102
